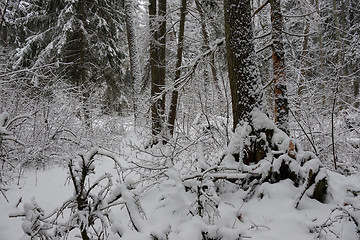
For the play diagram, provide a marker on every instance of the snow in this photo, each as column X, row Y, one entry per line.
column 240, row 139
column 46, row 187
column 168, row 208
column 3, row 118
column 261, row 121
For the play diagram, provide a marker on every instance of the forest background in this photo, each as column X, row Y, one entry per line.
column 180, row 77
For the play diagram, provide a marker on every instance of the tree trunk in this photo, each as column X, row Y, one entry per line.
column 245, row 86
column 354, row 15
column 133, row 53
column 280, row 90
column 3, row 15
column 340, row 55
column 337, row 31
column 356, row 88
column 157, row 64
column 175, row 94
column 243, row 75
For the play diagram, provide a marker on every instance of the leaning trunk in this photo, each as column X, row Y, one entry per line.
column 175, row 94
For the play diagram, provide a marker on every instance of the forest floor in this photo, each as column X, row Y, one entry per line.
column 270, row 214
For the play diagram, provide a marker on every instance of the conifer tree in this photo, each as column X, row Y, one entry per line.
column 82, row 38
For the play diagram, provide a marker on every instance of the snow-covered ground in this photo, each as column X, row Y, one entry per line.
column 163, row 207
column 270, row 214
column 47, row 187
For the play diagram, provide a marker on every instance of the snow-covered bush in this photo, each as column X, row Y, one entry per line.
column 36, row 225
column 10, row 146
column 314, row 131
column 281, row 157
column 45, row 121
column 177, row 191
column 89, row 210
column 200, row 182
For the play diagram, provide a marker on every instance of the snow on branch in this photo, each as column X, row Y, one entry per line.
column 182, row 81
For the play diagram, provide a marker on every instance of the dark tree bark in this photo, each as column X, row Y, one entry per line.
column 356, row 88
column 243, row 75
column 321, row 55
column 157, row 63
column 280, row 90
column 175, row 93
column 246, row 90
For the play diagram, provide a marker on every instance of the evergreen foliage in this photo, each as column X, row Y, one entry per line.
column 83, row 40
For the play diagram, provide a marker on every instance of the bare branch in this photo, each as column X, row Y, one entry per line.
column 265, row 47
column 263, row 35
column 299, row 16
column 260, row 8
column 181, row 82
column 297, row 34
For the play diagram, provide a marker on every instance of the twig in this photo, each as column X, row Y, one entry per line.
column 1, row 190
column 237, row 214
column 263, row 48
column 307, row 136
column 298, row 34
column 256, row 227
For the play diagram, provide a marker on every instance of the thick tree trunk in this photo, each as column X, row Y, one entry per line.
column 356, row 89
column 243, row 75
column 175, row 94
column 280, row 90
column 76, row 54
column 340, row 55
column 246, row 90
column 157, row 64
column 353, row 16
column 162, row 45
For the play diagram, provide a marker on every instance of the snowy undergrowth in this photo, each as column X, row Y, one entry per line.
column 269, row 215
column 183, row 190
